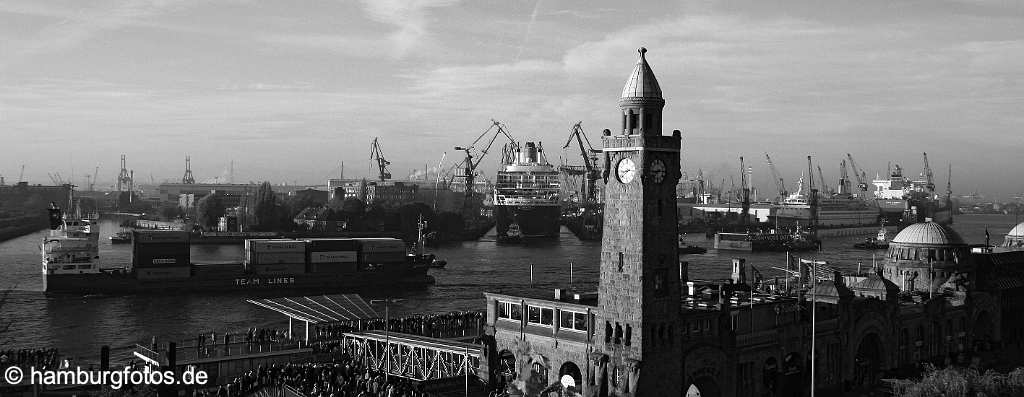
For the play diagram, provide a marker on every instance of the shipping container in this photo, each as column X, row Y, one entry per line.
column 333, row 256
column 381, row 257
column 332, row 244
column 274, row 245
column 279, row 269
column 332, row 268
column 270, row 258
column 158, row 237
column 158, row 260
column 162, row 273
column 381, row 245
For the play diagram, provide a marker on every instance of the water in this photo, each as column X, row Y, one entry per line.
column 79, row 325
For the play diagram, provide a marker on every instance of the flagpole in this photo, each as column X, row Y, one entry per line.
column 814, row 322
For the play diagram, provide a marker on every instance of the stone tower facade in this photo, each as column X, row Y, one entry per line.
column 637, row 343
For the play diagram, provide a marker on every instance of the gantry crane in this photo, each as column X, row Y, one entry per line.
column 92, row 182
column 812, row 198
column 779, row 183
column 590, row 171
column 377, row 157
column 844, row 179
column 857, row 173
column 469, row 165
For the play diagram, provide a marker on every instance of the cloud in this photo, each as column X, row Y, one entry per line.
column 410, row 17
column 79, row 25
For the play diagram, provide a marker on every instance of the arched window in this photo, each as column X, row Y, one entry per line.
column 629, row 334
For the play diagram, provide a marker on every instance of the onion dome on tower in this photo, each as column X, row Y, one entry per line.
column 1015, row 238
column 641, row 100
column 924, row 255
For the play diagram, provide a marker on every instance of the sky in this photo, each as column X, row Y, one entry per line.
column 289, row 90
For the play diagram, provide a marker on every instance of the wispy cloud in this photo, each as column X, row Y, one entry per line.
column 410, row 17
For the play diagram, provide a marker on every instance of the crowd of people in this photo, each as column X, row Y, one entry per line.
column 446, row 325
column 342, row 376
column 37, row 358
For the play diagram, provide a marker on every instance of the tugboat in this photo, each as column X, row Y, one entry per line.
column 121, row 237
column 686, row 248
column 881, row 241
column 421, row 241
column 512, row 235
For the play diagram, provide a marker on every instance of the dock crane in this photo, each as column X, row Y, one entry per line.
column 469, row 165
column 590, row 171
column 779, row 183
column 821, row 177
column 844, row 179
column 812, row 198
column 21, row 176
column 857, row 173
column 928, row 176
column 92, row 182
column 745, row 189
column 377, row 156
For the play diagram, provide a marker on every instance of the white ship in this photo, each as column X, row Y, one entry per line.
column 72, row 243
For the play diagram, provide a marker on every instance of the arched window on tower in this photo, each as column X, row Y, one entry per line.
column 629, row 334
column 634, row 122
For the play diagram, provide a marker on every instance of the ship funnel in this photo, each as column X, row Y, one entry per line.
column 529, row 153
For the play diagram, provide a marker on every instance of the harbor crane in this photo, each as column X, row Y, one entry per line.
column 377, row 156
column 812, row 198
column 469, row 165
column 92, row 182
column 821, row 177
column 929, row 178
column 857, row 173
column 590, row 171
column 21, row 176
column 844, row 179
column 779, row 183
column 745, row 189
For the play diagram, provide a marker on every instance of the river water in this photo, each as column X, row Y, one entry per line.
column 79, row 325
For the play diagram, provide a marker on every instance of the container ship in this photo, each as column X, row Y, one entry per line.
column 526, row 196
column 161, row 263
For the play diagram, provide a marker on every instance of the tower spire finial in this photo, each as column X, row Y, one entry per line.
column 642, row 51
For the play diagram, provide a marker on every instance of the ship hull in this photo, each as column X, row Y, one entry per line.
column 535, row 222
column 793, row 215
column 227, row 281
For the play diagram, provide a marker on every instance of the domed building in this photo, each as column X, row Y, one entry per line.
column 924, row 255
column 1015, row 238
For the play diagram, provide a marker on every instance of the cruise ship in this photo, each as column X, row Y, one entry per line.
column 838, row 210
column 526, row 196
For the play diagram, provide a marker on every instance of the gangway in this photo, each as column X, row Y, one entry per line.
column 414, row 357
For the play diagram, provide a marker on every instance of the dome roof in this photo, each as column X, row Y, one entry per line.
column 1017, row 231
column 928, row 233
column 829, row 288
column 642, row 83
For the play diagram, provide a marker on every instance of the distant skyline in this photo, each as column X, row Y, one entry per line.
column 290, row 90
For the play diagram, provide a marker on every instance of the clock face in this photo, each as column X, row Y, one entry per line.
column 657, row 171
column 625, row 170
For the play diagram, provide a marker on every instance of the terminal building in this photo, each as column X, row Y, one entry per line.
column 651, row 331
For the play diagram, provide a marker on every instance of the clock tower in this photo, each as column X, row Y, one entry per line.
column 637, row 346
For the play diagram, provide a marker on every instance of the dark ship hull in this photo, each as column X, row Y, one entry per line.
column 226, row 278
column 534, row 222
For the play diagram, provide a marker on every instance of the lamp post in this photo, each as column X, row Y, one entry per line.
column 387, row 332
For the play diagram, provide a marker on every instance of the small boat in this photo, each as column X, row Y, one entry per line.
column 122, row 237
column 438, row 263
column 881, row 241
column 513, row 235
column 691, row 249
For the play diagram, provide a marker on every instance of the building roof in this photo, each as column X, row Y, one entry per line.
column 927, row 233
column 320, row 309
column 642, row 83
column 875, row 282
column 829, row 288
column 1017, row 231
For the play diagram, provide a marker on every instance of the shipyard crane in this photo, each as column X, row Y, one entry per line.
column 21, row 176
column 777, row 178
column 469, row 165
column 745, row 189
column 844, row 178
column 857, row 173
column 812, row 198
column 821, row 177
column 928, row 177
column 590, row 171
column 377, row 156
column 92, row 182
